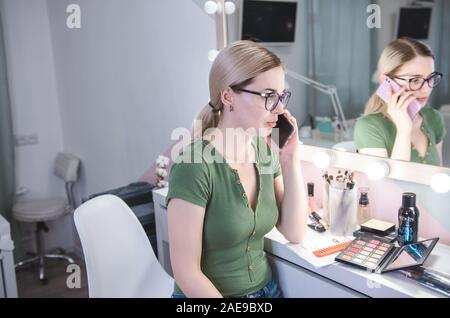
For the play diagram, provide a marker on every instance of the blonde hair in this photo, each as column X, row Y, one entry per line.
column 392, row 58
column 235, row 66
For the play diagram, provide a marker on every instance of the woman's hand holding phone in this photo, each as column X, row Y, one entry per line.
column 290, row 151
column 398, row 109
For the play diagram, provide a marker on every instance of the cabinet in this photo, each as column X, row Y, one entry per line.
column 8, row 285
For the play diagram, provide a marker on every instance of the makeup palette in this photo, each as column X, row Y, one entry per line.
column 377, row 256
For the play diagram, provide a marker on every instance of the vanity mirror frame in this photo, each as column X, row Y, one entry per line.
column 400, row 170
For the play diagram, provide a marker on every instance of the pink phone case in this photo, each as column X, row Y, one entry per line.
column 383, row 91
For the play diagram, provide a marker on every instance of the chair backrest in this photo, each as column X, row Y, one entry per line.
column 119, row 259
column 67, row 167
column 345, row 146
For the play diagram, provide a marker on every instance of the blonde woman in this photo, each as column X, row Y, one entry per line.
column 386, row 129
column 219, row 210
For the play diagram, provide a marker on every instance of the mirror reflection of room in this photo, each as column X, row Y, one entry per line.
column 322, row 49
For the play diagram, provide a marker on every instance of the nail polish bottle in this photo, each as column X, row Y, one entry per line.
column 312, row 204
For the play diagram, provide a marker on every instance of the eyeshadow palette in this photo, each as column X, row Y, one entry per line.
column 377, row 256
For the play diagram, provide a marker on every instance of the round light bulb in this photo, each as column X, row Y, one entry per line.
column 440, row 182
column 210, row 7
column 322, row 160
column 212, row 55
column 377, row 170
column 230, row 7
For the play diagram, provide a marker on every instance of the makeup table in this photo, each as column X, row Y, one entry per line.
column 298, row 278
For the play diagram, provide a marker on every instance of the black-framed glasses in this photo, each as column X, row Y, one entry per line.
column 417, row 82
column 272, row 98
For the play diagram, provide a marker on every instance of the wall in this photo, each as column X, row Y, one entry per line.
column 130, row 75
column 33, row 91
column 110, row 92
column 35, row 109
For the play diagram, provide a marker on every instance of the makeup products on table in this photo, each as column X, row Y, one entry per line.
column 343, row 180
column 377, row 256
column 312, row 204
column 331, row 249
column 317, row 227
column 378, row 227
column 390, row 237
column 433, row 279
column 363, row 206
column 408, row 219
column 319, row 219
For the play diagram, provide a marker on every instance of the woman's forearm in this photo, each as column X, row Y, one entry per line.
column 294, row 206
column 402, row 147
column 197, row 285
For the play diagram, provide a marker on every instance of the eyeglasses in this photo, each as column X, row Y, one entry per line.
column 272, row 98
column 417, row 83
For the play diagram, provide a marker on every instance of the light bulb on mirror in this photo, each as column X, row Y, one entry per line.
column 322, row 160
column 440, row 182
column 211, row 7
column 377, row 170
column 230, row 7
column 212, row 55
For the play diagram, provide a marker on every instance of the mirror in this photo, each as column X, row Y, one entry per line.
column 411, row 255
column 338, row 44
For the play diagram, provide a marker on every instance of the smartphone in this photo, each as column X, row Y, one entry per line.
column 282, row 131
column 384, row 93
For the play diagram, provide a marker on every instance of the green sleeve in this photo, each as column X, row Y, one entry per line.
column 368, row 133
column 439, row 126
column 189, row 182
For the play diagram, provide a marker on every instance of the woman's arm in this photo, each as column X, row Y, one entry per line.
column 290, row 191
column 401, row 149
column 185, row 222
column 291, row 200
column 402, row 146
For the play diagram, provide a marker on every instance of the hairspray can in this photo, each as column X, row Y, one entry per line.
column 408, row 219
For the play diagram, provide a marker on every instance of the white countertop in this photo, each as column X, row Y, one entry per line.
column 392, row 284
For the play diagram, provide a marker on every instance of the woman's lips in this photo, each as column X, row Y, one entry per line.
column 422, row 100
column 272, row 123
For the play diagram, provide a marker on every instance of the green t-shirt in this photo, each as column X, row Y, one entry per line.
column 233, row 256
column 378, row 131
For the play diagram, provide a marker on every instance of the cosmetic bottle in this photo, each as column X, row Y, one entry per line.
column 312, row 204
column 363, row 206
column 408, row 219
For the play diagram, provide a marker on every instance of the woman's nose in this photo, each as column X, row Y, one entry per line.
column 279, row 109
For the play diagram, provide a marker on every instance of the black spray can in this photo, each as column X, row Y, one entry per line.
column 408, row 219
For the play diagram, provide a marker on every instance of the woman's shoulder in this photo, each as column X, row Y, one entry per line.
column 431, row 114
column 193, row 152
column 376, row 119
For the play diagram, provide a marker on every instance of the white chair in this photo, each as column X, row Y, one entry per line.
column 40, row 211
column 345, row 146
column 119, row 259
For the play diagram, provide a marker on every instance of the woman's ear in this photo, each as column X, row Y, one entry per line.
column 381, row 78
column 227, row 96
